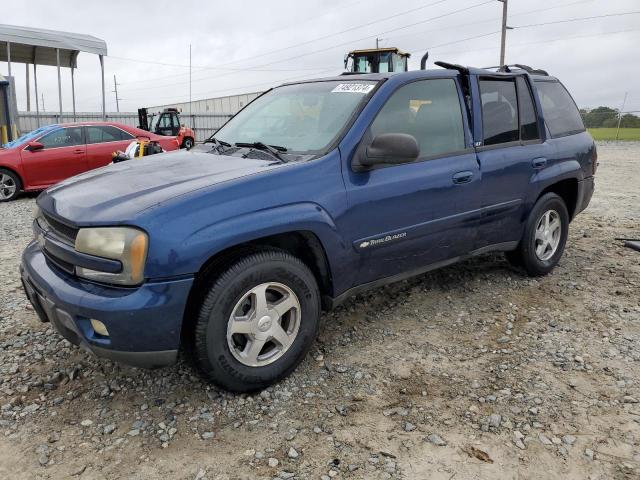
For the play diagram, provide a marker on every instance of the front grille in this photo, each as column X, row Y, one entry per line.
column 57, row 228
column 58, row 262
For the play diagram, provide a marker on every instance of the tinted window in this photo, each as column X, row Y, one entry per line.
column 499, row 111
column 430, row 111
column 560, row 112
column 64, row 137
column 528, row 120
column 101, row 134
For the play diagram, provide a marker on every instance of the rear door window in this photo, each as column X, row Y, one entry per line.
column 499, row 111
column 430, row 111
column 528, row 119
column 106, row 133
column 560, row 111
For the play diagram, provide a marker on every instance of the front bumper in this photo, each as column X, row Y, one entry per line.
column 144, row 323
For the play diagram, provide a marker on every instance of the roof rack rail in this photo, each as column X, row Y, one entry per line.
column 452, row 66
column 519, row 66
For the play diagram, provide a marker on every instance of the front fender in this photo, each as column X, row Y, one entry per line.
column 306, row 216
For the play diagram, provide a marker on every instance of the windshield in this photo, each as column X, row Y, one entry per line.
column 27, row 137
column 153, row 122
column 303, row 118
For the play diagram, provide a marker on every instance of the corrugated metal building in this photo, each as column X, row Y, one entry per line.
column 207, row 115
column 228, row 105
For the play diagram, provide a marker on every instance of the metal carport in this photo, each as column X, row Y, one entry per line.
column 38, row 46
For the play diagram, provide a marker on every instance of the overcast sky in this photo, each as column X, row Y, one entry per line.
column 241, row 47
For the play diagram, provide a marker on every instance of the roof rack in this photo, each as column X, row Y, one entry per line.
column 452, row 66
column 519, row 66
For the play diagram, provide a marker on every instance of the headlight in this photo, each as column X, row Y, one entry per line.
column 128, row 245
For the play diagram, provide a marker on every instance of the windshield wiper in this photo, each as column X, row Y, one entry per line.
column 217, row 143
column 272, row 149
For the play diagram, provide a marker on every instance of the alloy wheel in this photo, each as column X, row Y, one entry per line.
column 263, row 324
column 547, row 235
column 7, row 186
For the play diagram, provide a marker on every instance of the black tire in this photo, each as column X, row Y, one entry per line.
column 212, row 350
column 525, row 255
column 187, row 143
column 7, row 177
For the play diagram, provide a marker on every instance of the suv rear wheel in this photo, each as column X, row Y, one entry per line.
column 257, row 321
column 544, row 238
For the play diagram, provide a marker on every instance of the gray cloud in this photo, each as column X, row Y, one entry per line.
column 597, row 59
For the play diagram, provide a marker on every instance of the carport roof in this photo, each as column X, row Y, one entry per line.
column 38, row 46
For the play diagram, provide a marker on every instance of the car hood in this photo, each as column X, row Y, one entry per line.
column 120, row 192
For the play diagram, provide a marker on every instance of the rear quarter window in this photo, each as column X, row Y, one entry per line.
column 560, row 111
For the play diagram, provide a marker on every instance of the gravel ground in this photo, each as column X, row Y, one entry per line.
column 473, row 371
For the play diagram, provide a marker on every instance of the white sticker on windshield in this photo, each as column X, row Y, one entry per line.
column 353, row 88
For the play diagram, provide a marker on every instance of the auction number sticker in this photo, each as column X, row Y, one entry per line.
column 353, row 88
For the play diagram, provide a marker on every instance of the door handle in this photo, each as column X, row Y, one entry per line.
column 78, row 151
column 462, row 177
column 539, row 162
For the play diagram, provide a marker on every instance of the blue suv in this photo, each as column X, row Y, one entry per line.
column 313, row 192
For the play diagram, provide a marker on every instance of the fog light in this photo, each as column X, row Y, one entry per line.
column 99, row 327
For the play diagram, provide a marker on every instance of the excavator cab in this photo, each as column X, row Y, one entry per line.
column 376, row 60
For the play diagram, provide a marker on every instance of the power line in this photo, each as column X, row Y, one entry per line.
column 578, row 19
column 488, row 20
column 521, row 44
column 282, row 80
column 353, row 41
column 172, row 84
column 330, row 35
column 270, row 52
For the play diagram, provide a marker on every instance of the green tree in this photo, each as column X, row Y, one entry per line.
column 630, row 121
column 599, row 116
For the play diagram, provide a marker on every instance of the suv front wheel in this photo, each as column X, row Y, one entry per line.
column 544, row 238
column 257, row 321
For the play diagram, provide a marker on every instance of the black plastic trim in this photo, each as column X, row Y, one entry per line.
column 332, row 302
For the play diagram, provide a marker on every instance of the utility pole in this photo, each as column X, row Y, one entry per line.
column 115, row 90
column 624, row 101
column 190, row 118
column 503, row 39
column 42, row 103
column 28, row 89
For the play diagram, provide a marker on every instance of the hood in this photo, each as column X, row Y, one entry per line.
column 120, row 192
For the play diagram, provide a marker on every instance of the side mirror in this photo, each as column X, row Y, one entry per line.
column 33, row 146
column 391, row 149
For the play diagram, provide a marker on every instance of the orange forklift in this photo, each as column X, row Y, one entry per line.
column 166, row 123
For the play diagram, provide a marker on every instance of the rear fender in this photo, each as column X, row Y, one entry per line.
column 542, row 179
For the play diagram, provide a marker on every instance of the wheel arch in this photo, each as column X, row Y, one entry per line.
column 16, row 173
column 303, row 244
column 567, row 189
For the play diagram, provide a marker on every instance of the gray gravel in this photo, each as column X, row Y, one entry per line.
column 474, row 371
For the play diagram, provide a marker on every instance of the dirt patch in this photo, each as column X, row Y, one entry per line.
column 407, row 381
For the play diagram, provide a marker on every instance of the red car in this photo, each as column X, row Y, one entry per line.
column 53, row 153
